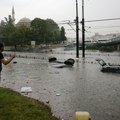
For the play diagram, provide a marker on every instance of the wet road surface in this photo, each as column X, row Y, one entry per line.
column 82, row 87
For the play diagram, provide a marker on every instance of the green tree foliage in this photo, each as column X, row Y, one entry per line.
column 11, row 35
column 6, row 30
column 53, row 32
column 9, row 20
column 91, row 47
column 107, row 48
column 21, row 36
column 45, row 31
column 42, row 31
column 39, row 29
column 63, row 37
column 51, row 25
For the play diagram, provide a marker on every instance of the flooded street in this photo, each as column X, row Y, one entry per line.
column 82, row 87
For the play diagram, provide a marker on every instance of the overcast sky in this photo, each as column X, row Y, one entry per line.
column 61, row 10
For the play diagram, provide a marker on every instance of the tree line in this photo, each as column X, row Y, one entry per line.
column 41, row 31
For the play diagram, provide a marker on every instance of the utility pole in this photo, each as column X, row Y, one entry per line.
column 83, row 31
column 77, row 31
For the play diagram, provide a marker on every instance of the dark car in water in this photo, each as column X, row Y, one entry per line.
column 108, row 67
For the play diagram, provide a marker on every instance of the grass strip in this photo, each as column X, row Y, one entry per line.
column 14, row 106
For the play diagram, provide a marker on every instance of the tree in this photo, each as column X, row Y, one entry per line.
column 9, row 20
column 6, row 30
column 53, row 31
column 39, row 29
column 62, row 35
column 51, row 25
column 42, row 31
column 20, row 36
column 11, row 35
column 45, row 31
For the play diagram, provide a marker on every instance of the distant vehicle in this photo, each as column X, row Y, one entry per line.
column 108, row 67
column 104, row 41
column 69, row 47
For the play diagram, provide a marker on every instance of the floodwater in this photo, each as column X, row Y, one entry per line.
column 82, row 87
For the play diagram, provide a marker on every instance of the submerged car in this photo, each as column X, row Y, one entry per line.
column 61, row 64
column 108, row 67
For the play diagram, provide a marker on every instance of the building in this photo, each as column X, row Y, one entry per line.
column 22, row 22
column 13, row 16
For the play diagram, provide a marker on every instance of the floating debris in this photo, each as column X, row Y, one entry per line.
column 47, row 101
column 15, row 62
column 58, row 94
column 26, row 90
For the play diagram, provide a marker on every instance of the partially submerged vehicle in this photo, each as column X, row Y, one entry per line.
column 61, row 64
column 108, row 67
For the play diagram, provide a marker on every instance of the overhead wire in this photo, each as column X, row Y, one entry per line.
column 99, row 20
column 72, row 23
column 103, row 20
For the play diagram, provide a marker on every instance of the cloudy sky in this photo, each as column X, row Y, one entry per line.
column 63, row 10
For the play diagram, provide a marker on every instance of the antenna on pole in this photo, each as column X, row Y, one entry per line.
column 77, row 31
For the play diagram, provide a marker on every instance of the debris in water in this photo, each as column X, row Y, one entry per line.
column 26, row 90
column 58, row 94
column 47, row 101
column 15, row 62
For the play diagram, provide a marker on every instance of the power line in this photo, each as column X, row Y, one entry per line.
column 68, row 21
column 103, row 20
column 102, row 27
